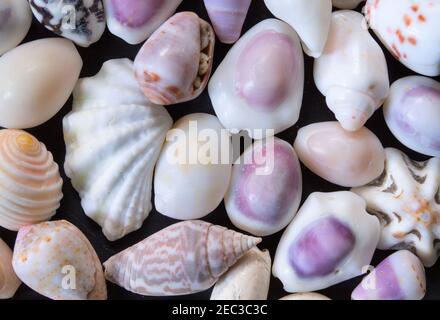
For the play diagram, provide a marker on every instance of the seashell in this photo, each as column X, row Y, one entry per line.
column 227, row 17
column 9, row 282
column 305, row 296
column 259, row 85
column 174, row 64
column 338, row 156
column 410, row 30
column 401, row 276
column 46, row 70
column 331, row 240
column 113, row 139
column 185, row 258
column 194, row 164
column 135, row 20
column 81, row 21
column 346, row 4
column 248, row 279
column 265, row 188
column 15, row 21
column 352, row 72
column 412, row 112
column 406, row 199
column 310, row 18
column 56, row 260
column 30, row 181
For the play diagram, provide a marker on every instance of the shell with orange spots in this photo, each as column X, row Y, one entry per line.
column 9, row 282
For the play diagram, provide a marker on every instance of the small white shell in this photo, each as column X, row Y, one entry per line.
column 15, row 21
column 346, row 4
column 9, row 282
column 305, row 296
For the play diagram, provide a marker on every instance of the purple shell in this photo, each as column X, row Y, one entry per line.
column 135, row 13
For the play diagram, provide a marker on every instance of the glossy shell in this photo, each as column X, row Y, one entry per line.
column 305, row 296
column 15, row 21
column 9, row 282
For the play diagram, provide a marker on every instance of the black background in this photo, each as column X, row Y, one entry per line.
column 313, row 110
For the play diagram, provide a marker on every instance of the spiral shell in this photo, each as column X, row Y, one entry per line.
column 9, row 282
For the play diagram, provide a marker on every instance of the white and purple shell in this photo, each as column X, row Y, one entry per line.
column 15, row 21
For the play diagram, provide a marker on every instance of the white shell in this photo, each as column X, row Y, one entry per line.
column 310, row 18
column 346, row 4
column 193, row 171
column 259, row 85
column 406, row 198
column 15, row 21
column 113, row 138
column 9, row 282
column 412, row 112
column 247, row 279
column 305, row 296
column 410, row 30
column 331, row 240
column 352, row 72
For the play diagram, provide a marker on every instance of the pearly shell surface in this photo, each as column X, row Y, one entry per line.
column 135, row 20
column 406, row 198
column 113, row 139
column 30, row 181
column 174, row 64
column 401, row 276
column 352, row 72
column 81, row 21
column 9, row 282
column 331, row 240
column 193, row 171
column 412, row 112
column 185, row 258
column 248, row 279
column 410, row 30
column 259, row 85
column 310, row 18
column 15, row 21
column 305, row 296
column 338, row 156
column 46, row 70
column 266, row 187
column 346, row 4
column 46, row 254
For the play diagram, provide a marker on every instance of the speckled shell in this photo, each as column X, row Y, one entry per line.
column 410, row 30
column 56, row 260
column 185, row 258
column 113, row 139
column 30, row 182
column 82, row 21
column 9, row 282
column 305, row 296
column 332, row 239
column 346, row 4
column 15, row 21
column 406, row 198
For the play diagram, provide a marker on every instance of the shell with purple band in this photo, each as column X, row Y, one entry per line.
column 346, row 4
column 259, row 85
column 15, row 21
column 175, row 63
column 184, row 258
column 9, row 282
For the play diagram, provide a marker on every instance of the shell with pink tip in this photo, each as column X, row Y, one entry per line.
column 9, row 282
column 185, row 258
column 175, row 63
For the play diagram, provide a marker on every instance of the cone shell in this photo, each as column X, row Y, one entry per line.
column 15, row 21
column 9, row 282
column 30, row 182
column 185, row 258
column 56, row 260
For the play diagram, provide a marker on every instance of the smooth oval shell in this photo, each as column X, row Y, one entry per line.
column 9, row 282
column 15, row 21
column 305, row 296
column 344, row 158
column 41, row 77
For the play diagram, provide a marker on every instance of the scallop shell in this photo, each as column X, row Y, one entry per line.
column 30, row 182
column 56, row 260
column 346, row 4
column 305, row 296
column 113, row 139
column 174, row 64
column 185, row 258
column 9, row 282
column 15, row 21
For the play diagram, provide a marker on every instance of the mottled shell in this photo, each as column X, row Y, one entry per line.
column 346, row 4
column 305, row 296
column 15, row 21
column 56, row 260
column 30, row 182
column 9, row 282
column 185, row 258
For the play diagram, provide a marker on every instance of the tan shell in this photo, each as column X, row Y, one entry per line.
column 9, row 282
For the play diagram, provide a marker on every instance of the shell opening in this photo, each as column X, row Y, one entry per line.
column 206, row 47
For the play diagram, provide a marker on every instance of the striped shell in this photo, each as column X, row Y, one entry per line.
column 9, row 282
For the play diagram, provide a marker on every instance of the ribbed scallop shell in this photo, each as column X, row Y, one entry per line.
column 185, row 258
column 113, row 138
column 9, row 282
column 30, row 182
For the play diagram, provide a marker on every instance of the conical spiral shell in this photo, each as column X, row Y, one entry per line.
column 185, row 258
column 9, row 282
column 30, row 182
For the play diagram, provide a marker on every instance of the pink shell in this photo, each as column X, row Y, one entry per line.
column 135, row 13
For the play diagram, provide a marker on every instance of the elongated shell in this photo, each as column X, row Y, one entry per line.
column 346, row 4
column 113, row 139
column 174, row 64
column 15, row 21
column 56, row 260
column 9, row 282
column 185, row 258
column 30, row 182
column 305, row 296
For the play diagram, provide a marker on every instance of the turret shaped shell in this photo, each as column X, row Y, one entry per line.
column 352, row 72
column 30, row 182
column 174, row 64
column 305, row 296
column 113, row 139
column 346, row 4
column 185, row 258
column 9, row 282
column 15, row 21
column 56, row 260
